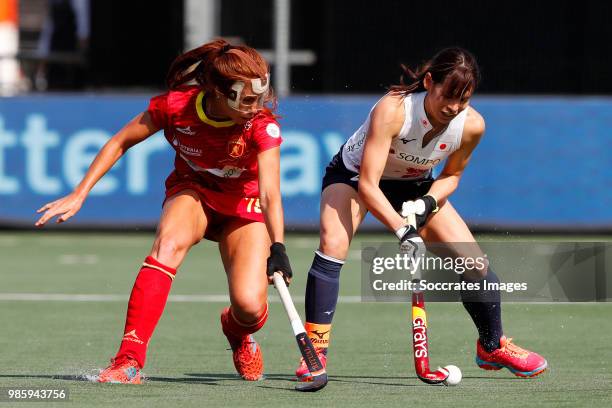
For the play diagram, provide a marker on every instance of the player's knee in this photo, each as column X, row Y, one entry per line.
column 169, row 248
column 479, row 271
column 334, row 244
column 249, row 308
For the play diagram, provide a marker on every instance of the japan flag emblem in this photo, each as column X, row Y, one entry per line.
column 442, row 147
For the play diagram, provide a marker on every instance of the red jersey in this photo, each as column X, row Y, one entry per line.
column 220, row 157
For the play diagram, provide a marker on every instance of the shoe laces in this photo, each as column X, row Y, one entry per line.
column 514, row 350
column 242, row 343
column 117, row 362
column 246, row 350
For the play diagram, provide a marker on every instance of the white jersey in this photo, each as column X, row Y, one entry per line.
column 408, row 159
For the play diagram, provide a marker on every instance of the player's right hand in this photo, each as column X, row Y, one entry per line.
column 410, row 242
column 279, row 262
column 63, row 208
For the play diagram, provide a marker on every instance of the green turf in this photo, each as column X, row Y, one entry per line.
column 53, row 343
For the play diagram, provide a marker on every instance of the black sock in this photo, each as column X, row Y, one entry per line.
column 484, row 306
column 322, row 288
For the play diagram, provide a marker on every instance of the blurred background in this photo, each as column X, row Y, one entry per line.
column 72, row 72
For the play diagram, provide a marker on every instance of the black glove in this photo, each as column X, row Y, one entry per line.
column 431, row 206
column 279, row 262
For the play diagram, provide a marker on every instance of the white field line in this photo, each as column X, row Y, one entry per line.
column 78, row 259
column 65, row 297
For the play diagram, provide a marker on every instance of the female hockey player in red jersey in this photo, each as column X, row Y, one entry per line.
column 423, row 122
column 217, row 116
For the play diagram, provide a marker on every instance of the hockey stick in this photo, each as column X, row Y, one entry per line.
column 419, row 317
column 317, row 371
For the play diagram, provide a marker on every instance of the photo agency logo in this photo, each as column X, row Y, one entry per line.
column 522, row 271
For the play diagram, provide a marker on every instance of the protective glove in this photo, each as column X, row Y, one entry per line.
column 410, row 242
column 279, row 262
column 424, row 207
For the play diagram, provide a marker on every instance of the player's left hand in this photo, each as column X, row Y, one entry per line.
column 279, row 262
column 63, row 208
column 425, row 206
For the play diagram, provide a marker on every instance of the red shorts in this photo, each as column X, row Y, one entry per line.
column 219, row 207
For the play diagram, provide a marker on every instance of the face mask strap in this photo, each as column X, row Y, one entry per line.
column 261, row 85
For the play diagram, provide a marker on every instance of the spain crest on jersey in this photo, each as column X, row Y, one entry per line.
column 235, row 148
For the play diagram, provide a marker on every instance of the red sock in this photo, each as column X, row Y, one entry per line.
column 146, row 305
column 234, row 327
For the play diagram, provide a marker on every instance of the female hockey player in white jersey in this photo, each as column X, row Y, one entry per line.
column 388, row 160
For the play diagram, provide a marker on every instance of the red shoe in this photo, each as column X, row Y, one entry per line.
column 521, row 362
column 123, row 370
column 302, row 373
column 247, row 356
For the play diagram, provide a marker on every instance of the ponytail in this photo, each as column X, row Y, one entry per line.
column 411, row 81
column 194, row 63
column 217, row 65
column 455, row 64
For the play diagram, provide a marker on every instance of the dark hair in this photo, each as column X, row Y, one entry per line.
column 218, row 64
column 456, row 66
